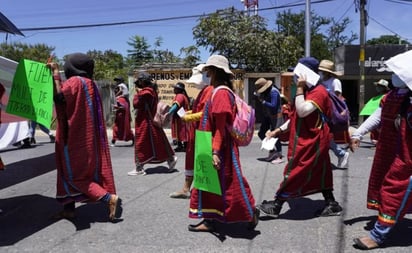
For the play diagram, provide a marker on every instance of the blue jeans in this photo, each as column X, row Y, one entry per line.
column 267, row 124
column 33, row 125
column 337, row 150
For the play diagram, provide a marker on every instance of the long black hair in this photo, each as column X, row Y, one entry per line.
column 221, row 77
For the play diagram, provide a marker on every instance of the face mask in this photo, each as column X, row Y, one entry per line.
column 205, row 81
column 321, row 75
column 397, row 82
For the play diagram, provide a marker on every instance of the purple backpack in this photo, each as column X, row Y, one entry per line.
column 339, row 120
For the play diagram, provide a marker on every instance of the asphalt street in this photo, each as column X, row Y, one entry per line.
column 153, row 222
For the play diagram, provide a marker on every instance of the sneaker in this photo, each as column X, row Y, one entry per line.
column 277, row 160
column 180, row 149
column 343, row 162
column 272, row 156
column 136, row 172
column 270, row 208
column 331, row 209
column 172, row 163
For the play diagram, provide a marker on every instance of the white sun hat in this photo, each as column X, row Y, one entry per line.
column 196, row 77
column 218, row 61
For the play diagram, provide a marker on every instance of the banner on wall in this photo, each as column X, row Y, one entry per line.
column 165, row 79
column 13, row 128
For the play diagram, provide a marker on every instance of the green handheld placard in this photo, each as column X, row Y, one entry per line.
column 205, row 175
column 31, row 94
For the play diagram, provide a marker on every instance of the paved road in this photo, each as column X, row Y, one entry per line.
column 153, row 222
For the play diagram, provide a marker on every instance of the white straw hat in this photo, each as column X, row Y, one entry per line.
column 218, row 61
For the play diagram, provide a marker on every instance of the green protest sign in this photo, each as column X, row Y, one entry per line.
column 205, row 175
column 31, row 94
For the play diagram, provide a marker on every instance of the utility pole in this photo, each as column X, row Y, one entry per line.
column 307, row 28
column 363, row 23
column 249, row 5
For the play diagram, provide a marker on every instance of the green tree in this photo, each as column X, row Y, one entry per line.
column 387, row 39
column 107, row 64
column 17, row 51
column 322, row 44
column 245, row 40
column 191, row 55
column 141, row 53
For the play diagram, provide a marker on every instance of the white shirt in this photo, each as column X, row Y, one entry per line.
column 124, row 89
column 333, row 84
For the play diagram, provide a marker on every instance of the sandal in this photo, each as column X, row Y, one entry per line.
column 115, row 207
column 203, row 226
column 365, row 243
column 180, row 195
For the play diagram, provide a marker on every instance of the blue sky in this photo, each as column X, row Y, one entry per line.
column 386, row 17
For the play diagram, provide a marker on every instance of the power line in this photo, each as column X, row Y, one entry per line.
column 47, row 28
column 390, row 30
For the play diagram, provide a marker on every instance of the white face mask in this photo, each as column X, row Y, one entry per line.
column 205, row 81
column 397, row 82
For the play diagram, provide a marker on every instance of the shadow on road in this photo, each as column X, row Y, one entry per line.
column 26, row 169
column 24, row 216
column 234, row 230
column 299, row 209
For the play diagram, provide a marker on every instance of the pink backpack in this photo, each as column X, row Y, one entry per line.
column 243, row 126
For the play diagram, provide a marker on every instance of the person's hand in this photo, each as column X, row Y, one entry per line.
column 354, row 144
column 301, row 82
column 216, row 161
column 273, row 134
column 54, row 67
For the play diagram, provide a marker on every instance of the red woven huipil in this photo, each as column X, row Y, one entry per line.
column 236, row 203
column 84, row 168
column 308, row 169
column 391, row 174
column 151, row 145
column 121, row 128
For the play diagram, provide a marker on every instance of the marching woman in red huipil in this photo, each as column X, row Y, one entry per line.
column 121, row 128
column 390, row 181
column 151, row 143
column 308, row 170
column 236, row 204
column 192, row 118
column 180, row 129
column 84, row 168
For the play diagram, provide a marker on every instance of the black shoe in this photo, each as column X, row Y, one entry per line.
column 52, row 139
column 180, row 149
column 272, row 156
column 270, row 208
column 331, row 209
column 17, row 144
column 32, row 140
column 26, row 145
